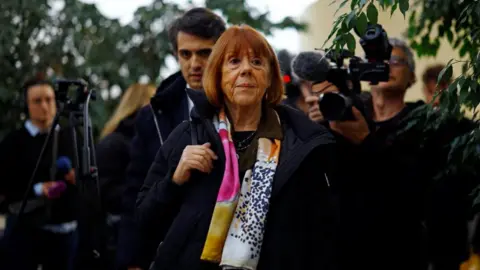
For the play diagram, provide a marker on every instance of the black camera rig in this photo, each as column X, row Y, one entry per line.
column 337, row 106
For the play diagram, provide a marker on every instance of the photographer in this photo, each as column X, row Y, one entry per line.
column 394, row 213
column 388, row 98
column 46, row 234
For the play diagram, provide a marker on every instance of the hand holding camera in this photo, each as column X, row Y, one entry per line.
column 355, row 130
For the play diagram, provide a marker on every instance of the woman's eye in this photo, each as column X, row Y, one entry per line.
column 257, row 62
column 234, row 61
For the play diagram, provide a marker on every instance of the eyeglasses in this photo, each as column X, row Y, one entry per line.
column 320, row 91
column 397, row 61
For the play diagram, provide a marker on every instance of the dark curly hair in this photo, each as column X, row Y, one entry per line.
column 432, row 72
column 200, row 22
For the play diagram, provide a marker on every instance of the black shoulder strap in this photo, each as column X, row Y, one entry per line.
column 193, row 133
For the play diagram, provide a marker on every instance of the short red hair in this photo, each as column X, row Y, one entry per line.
column 238, row 39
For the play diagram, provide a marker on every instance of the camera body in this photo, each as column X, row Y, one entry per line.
column 378, row 50
column 72, row 94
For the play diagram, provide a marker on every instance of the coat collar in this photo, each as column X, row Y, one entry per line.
column 170, row 93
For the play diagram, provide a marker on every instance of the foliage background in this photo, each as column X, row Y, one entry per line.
column 77, row 41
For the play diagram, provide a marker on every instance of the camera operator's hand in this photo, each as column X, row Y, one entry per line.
column 194, row 157
column 313, row 109
column 355, row 130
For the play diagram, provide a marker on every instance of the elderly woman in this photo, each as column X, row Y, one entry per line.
column 244, row 184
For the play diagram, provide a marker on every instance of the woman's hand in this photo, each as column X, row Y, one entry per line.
column 194, row 157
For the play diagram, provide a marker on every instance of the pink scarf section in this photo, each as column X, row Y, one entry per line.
column 235, row 235
column 227, row 198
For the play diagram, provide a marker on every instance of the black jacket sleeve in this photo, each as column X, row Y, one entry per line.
column 354, row 162
column 7, row 147
column 112, row 159
column 131, row 251
column 159, row 198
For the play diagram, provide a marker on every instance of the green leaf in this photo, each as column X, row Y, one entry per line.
column 457, row 42
column 465, row 48
column 441, row 30
column 449, row 35
column 362, row 24
column 351, row 19
column 351, row 44
column 403, row 6
column 372, row 14
column 353, row 4
column 344, row 28
column 473, row 86
column 339, row 38
column 465, row 68
column 334, row 29
column 411, row 32
column 467, row 9
column 394, row 7
column 464, row 90
column 341, row 6
column 411, row 20
column 445, row 74
column 382, row 4
column 461, row 81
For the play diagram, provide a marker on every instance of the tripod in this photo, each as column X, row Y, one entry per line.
column 92, row 227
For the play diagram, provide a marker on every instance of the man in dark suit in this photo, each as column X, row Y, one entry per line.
column 192, row 37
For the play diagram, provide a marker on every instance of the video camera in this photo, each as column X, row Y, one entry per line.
column 72, row 95
column 378, row 50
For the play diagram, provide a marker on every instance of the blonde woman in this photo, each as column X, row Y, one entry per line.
column 136, row 96
column 113, row 154
column 113, row 149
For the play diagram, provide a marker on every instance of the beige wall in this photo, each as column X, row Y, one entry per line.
column 320, row 17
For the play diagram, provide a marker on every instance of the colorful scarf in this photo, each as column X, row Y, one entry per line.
column 236, row 230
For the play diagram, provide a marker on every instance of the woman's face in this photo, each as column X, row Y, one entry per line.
column 245, row 78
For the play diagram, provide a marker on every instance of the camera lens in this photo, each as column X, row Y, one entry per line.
column 333, row 106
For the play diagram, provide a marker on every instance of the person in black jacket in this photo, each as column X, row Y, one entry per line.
column 397, row 211
column 192, row 37
column 113, row 153
column 294, row 97
column 46, row 234
column 251, row 190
